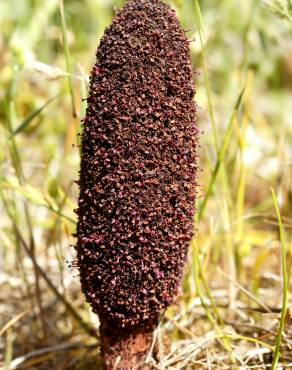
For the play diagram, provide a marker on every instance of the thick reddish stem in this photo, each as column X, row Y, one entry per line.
column 125, row 349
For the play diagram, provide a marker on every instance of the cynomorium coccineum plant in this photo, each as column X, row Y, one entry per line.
column 137, row 177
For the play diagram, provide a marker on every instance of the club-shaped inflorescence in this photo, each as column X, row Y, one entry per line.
column 138, row 166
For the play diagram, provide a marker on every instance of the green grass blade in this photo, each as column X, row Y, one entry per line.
column 205, row 70
column 285, row 285
column 220, row 156
column 8, row 350
column 67, row 56
column 25, row 123
column 210, row 317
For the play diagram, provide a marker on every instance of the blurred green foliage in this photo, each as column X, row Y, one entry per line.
column 246, row 46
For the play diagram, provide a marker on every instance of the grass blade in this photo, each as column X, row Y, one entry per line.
column 205, row 70
column 213, row 320
column 12, row 321
column 67, row 56
column 285, row 285
column 8, row 350
column 32, row 116
column 220, row 156
column 55, row 290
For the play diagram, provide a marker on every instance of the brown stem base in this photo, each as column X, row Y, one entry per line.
column 125, row 349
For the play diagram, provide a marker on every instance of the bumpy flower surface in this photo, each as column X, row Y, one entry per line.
column 138, row 166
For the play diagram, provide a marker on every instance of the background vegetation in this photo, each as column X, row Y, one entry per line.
column 234, row 291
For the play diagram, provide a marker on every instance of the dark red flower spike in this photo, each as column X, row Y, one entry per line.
column 137, row 177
